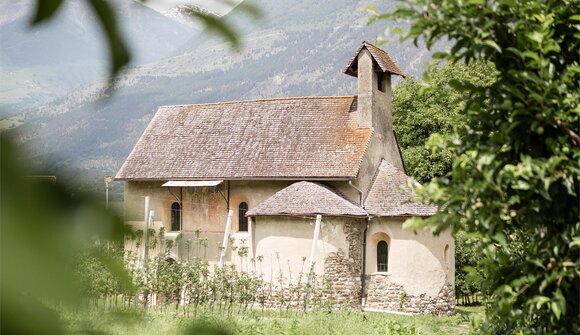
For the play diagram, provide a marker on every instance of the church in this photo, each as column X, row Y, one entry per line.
column 317, row 178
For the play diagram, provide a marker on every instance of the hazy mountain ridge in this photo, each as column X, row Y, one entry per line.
column 182, row 14
column 299, row 49
column 39, row 64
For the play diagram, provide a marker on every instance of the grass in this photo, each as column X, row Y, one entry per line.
column 128, row 321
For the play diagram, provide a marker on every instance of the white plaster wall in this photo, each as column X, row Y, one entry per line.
column 416, row 260
column 291, row 239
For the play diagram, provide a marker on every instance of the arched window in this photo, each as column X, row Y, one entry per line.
column 243, row 220
column 175, row 217
column 382, row 256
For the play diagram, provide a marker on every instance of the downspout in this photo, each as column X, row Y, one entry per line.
column 364, row 247
column 364, row 263
column 228, row 196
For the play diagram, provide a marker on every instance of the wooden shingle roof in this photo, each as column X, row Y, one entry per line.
column 290, row 138
column 391, row 195
column 307, row 199
column 383, row 59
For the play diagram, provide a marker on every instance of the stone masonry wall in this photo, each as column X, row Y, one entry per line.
column 343, row 272
column 385, row 295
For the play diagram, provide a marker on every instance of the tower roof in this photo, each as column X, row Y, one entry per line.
column 381, row 57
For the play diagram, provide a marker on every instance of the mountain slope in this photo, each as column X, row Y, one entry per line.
column 298, row 49
column 38, row 64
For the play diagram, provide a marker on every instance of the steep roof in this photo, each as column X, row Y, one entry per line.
column 294, row 138
column 383, row 59
column 307, row 198
column 390, row 195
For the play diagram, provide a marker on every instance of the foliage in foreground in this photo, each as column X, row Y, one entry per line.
column 516, row 180
column 42, row 225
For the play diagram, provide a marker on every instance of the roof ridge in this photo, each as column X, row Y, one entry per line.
column 326, row 186
column 310, row 195
column 371, row 44
column 264, row 99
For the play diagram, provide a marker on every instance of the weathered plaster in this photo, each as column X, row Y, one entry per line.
column 416, row 260
column 291, row 239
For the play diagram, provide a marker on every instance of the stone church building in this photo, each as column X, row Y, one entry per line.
column 279, row 163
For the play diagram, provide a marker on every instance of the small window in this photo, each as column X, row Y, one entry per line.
column 175, row 216
column 382, row 82
column 243, row 220
column 382, row 256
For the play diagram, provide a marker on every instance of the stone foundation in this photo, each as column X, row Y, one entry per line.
column 343, row 273
column 343, row 280
column 385, row 295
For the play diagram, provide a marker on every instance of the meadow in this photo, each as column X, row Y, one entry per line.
column 110, row 320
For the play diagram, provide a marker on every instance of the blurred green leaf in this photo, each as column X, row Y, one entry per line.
column 45, row 9
column 218, row 25
column 43, row 227
column 119, row 54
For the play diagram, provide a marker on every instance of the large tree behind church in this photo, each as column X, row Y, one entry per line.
column 515, row 180
column 432, row 108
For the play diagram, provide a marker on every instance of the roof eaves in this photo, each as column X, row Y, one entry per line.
column 119, row 174
column 307, row 215
column 397, row 215
column 286, row 178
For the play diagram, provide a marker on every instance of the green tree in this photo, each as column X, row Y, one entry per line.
column 516, row 177
column 468, row 275
column 434, row 106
